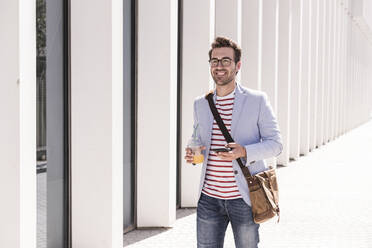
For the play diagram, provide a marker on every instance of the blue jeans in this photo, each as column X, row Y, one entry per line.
column 213, row 216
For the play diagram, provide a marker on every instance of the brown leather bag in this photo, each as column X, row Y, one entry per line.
column 264, row 195
column 263, row 187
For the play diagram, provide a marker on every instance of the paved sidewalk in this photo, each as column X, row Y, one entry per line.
column 325, row 202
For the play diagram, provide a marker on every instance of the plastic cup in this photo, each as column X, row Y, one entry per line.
column 196, row 150
column 196, row 145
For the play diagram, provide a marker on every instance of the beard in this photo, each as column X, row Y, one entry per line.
column 225, row 79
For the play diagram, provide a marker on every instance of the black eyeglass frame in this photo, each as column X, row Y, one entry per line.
column 220, row 60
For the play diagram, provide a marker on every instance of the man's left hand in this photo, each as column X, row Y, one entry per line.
column 237, row 151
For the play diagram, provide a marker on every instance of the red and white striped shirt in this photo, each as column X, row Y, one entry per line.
column 219, row 180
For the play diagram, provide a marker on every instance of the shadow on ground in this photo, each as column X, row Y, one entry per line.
column 144, row 233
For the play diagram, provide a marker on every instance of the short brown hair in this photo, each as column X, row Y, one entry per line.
column 226, row 42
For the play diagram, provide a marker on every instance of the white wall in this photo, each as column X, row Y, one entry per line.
column 18, row 124
column 96, row 123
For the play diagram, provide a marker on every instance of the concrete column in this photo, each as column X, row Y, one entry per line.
column 228, row 19
column 330, row 72
column 369, row 75
column 320, row 75
column 313, row 72
column 369, row 85
column 353, row 67
column 269, row 55
column 295, row 94
column 355, row 78
column 364, row 88
column 157, row 112
column 197, row 35
column 251, row 43
column 284, row 80
column 327, row 72
column 366, row 80
column 362, row 51
column 269, row 50
column 357, row 91
column 343, row 67
column 331, row 79
column 18, row 124
column 363, row 47
column 349, row 70
column 342, row 49
column 305, row 85
column 97, row 123
column 333, row 82
column 359, row 78
column 352, row 75
column 347, row 65
column 339, row 69
column 338, row 72
column 355, row 95
column 352, row 81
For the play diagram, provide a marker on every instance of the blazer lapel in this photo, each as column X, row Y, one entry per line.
column 237, row 109
column 211, row 119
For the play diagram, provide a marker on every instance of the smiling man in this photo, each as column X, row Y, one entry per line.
column 248, row 116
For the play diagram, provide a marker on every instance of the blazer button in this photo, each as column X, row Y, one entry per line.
column 235, row 172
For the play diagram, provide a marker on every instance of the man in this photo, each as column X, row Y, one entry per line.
column 224, row 194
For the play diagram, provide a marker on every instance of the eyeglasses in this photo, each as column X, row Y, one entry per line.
column 224, row 62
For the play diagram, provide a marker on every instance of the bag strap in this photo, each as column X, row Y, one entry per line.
column 224, row 131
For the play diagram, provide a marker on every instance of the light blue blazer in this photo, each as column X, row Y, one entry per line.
column 253, row 126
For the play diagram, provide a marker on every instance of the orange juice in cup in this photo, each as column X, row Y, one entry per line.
column 196, row 150
column 196, row 147
column 198, row 157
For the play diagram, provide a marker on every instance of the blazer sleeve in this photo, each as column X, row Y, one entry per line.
column 196, row 120
column 270, row 144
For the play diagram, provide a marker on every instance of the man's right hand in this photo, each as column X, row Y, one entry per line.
column 189, row 156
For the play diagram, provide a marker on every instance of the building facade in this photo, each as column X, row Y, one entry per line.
column 120, row 80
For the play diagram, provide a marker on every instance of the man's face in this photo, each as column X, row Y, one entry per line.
column 224, row 74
